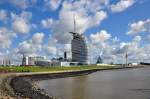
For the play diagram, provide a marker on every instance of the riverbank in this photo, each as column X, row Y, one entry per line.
column 23, row 85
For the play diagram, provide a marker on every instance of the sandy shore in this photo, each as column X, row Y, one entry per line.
column 23, row 85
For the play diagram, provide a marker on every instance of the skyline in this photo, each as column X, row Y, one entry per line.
column 111, row 27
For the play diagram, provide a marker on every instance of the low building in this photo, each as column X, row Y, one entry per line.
column 102, row 64
column 30, row 60
column 65, row 63
column 133, row 64
column 43, row 63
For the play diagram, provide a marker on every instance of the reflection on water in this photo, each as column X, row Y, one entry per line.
column 116, row 84
column 78, row 89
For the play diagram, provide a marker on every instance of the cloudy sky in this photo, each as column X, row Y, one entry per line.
column 40, row 27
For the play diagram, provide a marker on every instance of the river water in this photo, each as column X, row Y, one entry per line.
column 110, row 84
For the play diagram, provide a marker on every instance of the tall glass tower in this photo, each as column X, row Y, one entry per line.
column 79, row 48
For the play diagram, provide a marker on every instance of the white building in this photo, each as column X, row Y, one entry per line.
column 65, row 63
column 30, row 60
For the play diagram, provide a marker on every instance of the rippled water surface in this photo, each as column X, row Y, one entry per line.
column 111, row 84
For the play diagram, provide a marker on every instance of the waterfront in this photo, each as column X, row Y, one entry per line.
column 111, row 84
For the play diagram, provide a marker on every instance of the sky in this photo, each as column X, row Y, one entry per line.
column 112, row 28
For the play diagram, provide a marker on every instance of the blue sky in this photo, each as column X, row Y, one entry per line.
column 40, row 27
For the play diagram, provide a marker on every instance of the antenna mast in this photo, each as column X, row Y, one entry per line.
column 74, row 23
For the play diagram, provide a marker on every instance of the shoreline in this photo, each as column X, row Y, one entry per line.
column 23, row 85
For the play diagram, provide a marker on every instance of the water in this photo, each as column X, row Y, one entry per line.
column 111, row 84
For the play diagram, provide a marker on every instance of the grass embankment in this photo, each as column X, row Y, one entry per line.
column 48, row 69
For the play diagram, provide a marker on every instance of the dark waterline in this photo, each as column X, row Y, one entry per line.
column 112, row 84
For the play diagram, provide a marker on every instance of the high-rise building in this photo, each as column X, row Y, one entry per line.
column 65, row 55
column 79, row 48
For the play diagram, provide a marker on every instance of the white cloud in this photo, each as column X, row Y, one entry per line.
column 47, row 23
column 134, row 50
column 25, row 47
column 37, row 38
column 67, row 49
column 98, row 44
column 5, row 37
column 137, row 39
column 33, row 45
column 53, row 4
column 102, row 48
column 122, row 5
column 3, row 15
column 84, row 20
column 20, row 3
column 114, row 51
column 20, row 26
column 21, row 23
column 140, row 26
column 98, row 18
column 23, row 4
column 100, row 36
column 91, row 6
column 51, row 50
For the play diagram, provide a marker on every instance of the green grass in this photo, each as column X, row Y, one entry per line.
column 46, row 69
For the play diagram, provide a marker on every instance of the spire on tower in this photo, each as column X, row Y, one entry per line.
column 74, row 23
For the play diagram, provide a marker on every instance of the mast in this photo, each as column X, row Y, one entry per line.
column 74, row 26
column 74, row 23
